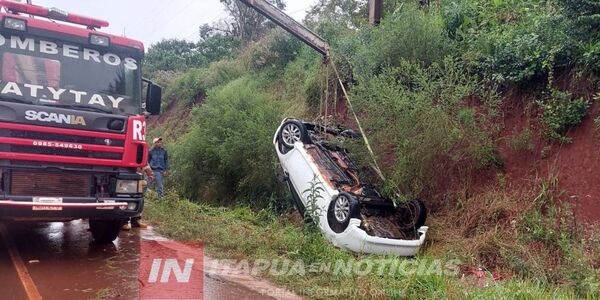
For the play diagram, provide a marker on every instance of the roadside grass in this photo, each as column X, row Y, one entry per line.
column 241, row 233
column 428, row 85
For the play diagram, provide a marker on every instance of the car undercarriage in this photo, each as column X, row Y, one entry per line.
column 345, row 195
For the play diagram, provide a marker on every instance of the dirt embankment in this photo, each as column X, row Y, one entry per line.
column 528, row 157
column 575, row 165
column 174, row 120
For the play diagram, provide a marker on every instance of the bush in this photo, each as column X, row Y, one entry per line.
column 228, row 154
column 272, row 53
column 164, row 78
column 418, row 113
column 561, row 112
column 517, row 42
column 585, row 25
column 171, row 55
column 193, row 84
column 590, row 58
column 303, row 78
column 586, row 17
column 409, row 34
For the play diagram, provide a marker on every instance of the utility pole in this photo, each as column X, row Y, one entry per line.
column 375, row 11
column 290, row 25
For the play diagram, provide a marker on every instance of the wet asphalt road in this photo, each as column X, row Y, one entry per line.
column 62, row 263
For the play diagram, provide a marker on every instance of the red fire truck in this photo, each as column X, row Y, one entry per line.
column 72, row 119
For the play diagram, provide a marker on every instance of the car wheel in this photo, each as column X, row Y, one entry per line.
column 349, row 133
column 291, row 132
column 412, row 215
column 105, row 231
column 341, row 209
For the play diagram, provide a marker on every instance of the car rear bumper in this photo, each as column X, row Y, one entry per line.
column 25, row 209
column 357, row 240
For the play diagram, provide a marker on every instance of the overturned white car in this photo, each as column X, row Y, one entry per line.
column 352, row 215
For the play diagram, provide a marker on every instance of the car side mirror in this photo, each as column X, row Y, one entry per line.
column 153, row 98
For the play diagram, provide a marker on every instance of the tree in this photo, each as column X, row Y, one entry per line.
column 244, row 22
column 349, row 13
column 178, row 55
column 171, row 55
column 218, row 46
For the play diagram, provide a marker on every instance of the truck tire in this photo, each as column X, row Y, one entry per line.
column 292, row 131
column 105, row 231
column 341, row 209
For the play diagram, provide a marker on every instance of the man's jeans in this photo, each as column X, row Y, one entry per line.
column 158, row 178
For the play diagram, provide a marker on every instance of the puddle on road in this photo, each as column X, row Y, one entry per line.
column 65, row 264
column 9, row 281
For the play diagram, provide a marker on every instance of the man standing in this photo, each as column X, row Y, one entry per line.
column 159, row 162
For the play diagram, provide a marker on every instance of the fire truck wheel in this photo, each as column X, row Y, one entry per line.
column 105, row 231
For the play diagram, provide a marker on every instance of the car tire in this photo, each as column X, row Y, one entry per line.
column 105, row 231
column 349, row 133
column 291, row 132
column 341, row 209
column 412, row 215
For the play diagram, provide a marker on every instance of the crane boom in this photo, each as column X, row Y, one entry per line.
column 290, row 25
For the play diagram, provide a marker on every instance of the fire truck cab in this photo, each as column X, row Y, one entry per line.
column 72, row 120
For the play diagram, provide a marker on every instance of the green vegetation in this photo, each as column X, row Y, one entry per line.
column 422, row 116
column 193, row 85
column 554, row 228
column 313, row 194
column 228, row 151
column 242, row 233
column 522, row 141
column 431, row 86
column 179, row 55
column 561, row 112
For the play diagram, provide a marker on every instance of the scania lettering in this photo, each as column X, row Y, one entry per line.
column 73, row 111
column 43, row 116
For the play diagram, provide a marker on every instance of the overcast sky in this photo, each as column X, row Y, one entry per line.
column 152, row 20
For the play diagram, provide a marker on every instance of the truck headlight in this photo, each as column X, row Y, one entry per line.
column 131, row 206
column 129, row 187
